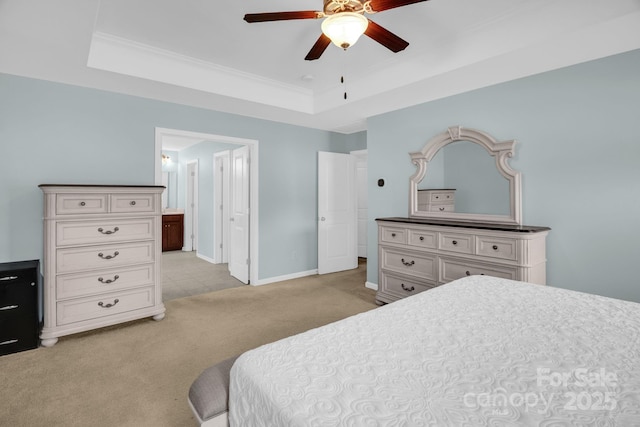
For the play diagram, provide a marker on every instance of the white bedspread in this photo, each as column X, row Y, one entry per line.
column 478, row 351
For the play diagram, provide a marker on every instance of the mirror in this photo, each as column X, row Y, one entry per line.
column 462, row 174
column 170, row 194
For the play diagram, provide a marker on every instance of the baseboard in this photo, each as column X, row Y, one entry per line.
column 371, row 285
column 285, row 277
column 199, row 255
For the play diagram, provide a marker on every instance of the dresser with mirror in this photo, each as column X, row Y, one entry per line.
column 465, row 219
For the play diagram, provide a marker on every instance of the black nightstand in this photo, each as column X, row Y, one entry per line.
column 19, row 325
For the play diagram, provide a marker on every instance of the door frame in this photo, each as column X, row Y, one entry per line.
column 253, row 145
column 361, row 155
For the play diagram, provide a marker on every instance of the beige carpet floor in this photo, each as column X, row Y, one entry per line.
column 184, row 274
column 138, row 374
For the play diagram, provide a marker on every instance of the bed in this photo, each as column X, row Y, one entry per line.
column 476, row 351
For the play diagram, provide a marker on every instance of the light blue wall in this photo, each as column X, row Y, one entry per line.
column 56, row 133
column 578, row 152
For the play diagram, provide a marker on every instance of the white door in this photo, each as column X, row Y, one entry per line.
column 239, row 215
column 336, row 213
column 221, row 187
column 191, row 211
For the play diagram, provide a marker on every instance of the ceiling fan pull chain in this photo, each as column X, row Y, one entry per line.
column 344, row 73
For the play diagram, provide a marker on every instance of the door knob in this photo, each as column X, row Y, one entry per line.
column 322, row 218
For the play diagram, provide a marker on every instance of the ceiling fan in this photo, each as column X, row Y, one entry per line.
column 344, row 23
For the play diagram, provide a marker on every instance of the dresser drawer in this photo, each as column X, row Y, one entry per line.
column 452, row 269
column 17, row 298
column 105, row 231
column 439, row 208
column 461, row 243
column 497, row 247
column 18, row 333
column 100, row 281
column 411, row 263
column 91, row 257
column 422, row 239
column 132, row 202
column 393, row 235
column 94, row 307
column 73, row 204
column 403, row 287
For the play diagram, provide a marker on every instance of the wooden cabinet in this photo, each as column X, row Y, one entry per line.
column 172, row 232
column 19, row 325
column 101, row 257
column 415, row 254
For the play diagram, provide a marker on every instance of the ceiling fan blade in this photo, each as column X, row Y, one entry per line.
column 380, row 5
column 281, row 16
column 318, row 48
column 385, row 37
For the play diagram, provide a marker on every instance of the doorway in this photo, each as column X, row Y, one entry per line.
column 207, row 230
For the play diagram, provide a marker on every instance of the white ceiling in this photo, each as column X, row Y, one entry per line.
column 202, row 53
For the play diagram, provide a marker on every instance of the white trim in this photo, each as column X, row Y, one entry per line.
column 371, row 285
column 120, row 55
column 253, row 190
column 286, row 277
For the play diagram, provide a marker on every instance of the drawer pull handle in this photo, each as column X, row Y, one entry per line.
column 495, row 247
column 469, row 274
column 408, row 264
column 8, row 307
column 132, row 203
column 411, row 289
column 8, row 278
column 441, row 209
column 421, row 238
column 101, row 280
column 115, row 254
column 455, row 242
column 83, row 204
column 393, row 234
column 103, row 305
column 8, row 342
column 101, row 230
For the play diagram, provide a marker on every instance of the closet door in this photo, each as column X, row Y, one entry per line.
column 337, row 222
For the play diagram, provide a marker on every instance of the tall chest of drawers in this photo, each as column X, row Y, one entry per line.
column 415, row 254
column 102, row 248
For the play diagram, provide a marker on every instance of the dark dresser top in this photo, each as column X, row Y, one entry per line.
column 464, row 224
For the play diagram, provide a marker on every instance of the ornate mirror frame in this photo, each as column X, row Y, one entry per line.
column 500, row 150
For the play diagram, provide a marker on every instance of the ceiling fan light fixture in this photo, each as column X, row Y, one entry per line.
column 344, row 28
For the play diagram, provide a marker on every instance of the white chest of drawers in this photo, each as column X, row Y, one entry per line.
column 415, row 255
column 102, row 248
column 437, row 200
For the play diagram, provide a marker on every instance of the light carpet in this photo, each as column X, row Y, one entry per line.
column 139, row 373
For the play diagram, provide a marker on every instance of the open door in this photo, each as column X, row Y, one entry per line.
column 337, row 220
column 239, row 215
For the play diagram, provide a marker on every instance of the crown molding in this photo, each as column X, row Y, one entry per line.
column 119, row 55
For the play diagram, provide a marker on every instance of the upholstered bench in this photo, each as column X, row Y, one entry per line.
column 209, row 395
